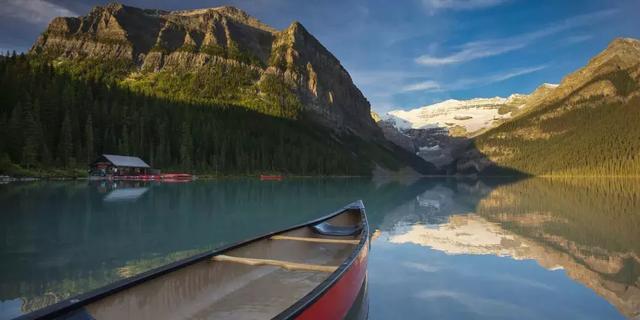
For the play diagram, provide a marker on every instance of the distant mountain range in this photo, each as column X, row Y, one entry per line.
column 440, row 132
column 466, row 117
column 586, row 125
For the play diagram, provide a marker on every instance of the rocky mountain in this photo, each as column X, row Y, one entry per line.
column 588, row 125
column 153, row 45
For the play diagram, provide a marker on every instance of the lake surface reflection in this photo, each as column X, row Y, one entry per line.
column 447, row 248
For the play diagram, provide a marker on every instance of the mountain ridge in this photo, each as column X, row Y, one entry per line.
column 188, row 41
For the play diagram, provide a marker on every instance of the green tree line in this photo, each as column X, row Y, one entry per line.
column 54, row 118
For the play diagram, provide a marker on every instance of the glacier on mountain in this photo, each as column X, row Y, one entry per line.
column 473, row 115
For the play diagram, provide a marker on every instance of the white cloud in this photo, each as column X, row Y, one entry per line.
column 479, row 305
column 499, row 77
column 33, row 11
column 383, row 85
column 434, row 5
column 428, row 85
column 470, row 51
column 466, row 83
column 493, row 47
column 424, row 267
column 577, row 39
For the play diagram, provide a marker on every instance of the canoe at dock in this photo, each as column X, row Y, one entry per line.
column 315, row 270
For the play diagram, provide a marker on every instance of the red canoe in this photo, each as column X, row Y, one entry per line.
column 271, row 177
column 316, row 270
column 168, row 177
column 176, row 177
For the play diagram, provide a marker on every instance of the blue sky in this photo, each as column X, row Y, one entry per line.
column 407, row 53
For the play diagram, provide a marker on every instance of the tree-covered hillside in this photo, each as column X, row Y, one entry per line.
column 62, row 117
column 588, row 125
column 595, row 136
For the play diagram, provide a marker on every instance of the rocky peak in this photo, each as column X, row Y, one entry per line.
column 622, row 53
column 624, row 45
column 297, row 32
column 112, row 7
column 227, row 12
column 324, row 85
column 540, row 93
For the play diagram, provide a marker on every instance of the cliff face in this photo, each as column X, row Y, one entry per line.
column 152, row 41
column 149, row 38
column 323, row 84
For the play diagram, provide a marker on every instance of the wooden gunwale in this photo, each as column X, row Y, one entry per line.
column 318, row 240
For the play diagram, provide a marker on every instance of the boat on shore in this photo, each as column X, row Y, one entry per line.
column 166, row 177
column 315, row 270
column 118, row 167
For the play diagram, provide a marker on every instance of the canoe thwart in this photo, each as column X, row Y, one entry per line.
column 278, row 263
column 318, row 240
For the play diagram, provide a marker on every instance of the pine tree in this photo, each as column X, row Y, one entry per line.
column 186, row 147
column 65, row 147
column 123, row 146
column 88, row 139
column 14, row 146
column 31, row 147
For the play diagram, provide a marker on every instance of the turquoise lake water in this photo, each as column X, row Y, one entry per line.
column 443, row 249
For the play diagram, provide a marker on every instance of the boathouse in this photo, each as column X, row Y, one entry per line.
column 115, row 165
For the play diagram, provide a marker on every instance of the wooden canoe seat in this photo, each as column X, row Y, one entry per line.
column 278, row 263
column 318, row 240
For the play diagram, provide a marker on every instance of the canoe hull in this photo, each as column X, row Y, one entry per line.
column 336, row 302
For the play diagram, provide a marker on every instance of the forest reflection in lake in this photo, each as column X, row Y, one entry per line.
column 449, row 248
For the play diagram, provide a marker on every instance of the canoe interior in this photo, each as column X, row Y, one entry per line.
column 229, row 290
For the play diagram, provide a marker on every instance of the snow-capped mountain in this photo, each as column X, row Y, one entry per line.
column 467, row 116
column 440, row 132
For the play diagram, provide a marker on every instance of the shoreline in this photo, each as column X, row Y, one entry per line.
column 7, row 178
column 4, row 179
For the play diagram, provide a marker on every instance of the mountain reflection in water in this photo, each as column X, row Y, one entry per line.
column 588, row 228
